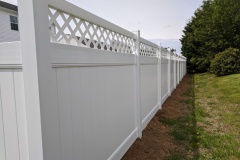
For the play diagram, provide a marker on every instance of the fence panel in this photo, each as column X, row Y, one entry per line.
column 172, row 75
column 164, row 79
column 176, row 74
column 13, row 128
column 92, row 103
column 149, row 91
column 77, row 94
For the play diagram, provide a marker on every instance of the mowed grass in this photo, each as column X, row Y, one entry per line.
column 211, row 128
column 217, row 110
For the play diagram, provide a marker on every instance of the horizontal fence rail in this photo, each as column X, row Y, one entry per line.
column 77, row 86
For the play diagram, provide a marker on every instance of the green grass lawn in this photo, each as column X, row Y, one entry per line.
column 211, row 129
column 217, row 113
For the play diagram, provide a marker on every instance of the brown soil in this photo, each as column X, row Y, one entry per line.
column 157, row 142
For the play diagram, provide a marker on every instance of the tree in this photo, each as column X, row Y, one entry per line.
column 213, row 28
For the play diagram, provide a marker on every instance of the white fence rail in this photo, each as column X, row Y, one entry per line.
column 65, row 96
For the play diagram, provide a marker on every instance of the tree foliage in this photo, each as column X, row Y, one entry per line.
column 214, row 27
column 226, row 62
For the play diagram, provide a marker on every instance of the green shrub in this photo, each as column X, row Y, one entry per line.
column 226, row 62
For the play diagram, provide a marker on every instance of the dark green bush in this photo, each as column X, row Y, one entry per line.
column 226, row 62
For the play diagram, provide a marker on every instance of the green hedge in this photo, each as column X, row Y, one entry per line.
column 226, row 62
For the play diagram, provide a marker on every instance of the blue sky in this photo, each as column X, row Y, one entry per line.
column 156, row 19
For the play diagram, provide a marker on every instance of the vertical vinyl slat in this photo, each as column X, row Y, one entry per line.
column 129, row 93
column 21, row 114
column 51, row 126
column 119, row 108
column 2, row 138
column 153, row 92
column 9, row 115
column 98, row 118
column 76, row 100
column 127, row 103
column 87, row 113
column 65, row 113
column 145, row 90
column 142, row 92
column 156, row 84
column 172, row 73
column 151, row 85
column 108, row 98
column 114, row 106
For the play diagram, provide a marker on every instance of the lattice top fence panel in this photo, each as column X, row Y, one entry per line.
column 68, row 29
column 147, row 50
column 164, row 53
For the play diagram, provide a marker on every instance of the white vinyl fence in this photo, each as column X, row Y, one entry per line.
column 84, row 90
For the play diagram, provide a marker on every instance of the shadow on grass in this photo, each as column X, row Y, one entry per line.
column 183, row 129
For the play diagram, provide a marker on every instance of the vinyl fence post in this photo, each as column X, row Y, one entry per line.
column 159, row 76
column 36, row 58
column 138, row 85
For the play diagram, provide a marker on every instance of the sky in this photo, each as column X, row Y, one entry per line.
column 156, row 19
column 164, row 19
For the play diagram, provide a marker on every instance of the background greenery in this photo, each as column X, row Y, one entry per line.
column 226, row 62
column 214, row 28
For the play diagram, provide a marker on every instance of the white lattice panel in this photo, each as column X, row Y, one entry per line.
column 146, row 50
column 69, row 29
